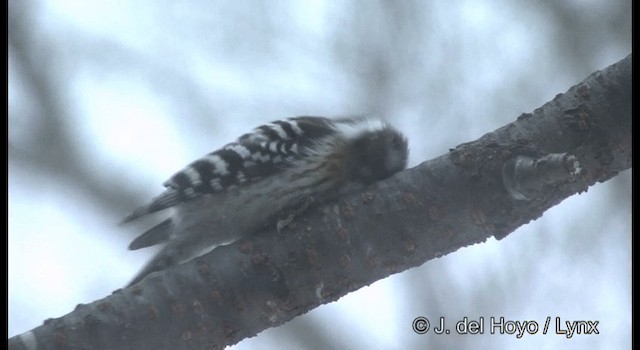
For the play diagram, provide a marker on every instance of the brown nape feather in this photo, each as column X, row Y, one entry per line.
column 334, row 164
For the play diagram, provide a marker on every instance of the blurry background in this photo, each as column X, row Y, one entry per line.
column 108, row 98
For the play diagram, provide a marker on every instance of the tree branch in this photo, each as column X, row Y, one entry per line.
column 442, row 205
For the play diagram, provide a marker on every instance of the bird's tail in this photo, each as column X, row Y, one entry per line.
column 167, row 199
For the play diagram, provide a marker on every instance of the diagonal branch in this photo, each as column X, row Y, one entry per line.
column 442, row 205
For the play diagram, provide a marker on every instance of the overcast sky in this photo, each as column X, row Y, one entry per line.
column 107, row 99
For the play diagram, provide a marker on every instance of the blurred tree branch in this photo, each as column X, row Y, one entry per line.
column 444, row 204
column 56, row 152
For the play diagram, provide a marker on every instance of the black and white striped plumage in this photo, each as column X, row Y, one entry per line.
column 237, row 189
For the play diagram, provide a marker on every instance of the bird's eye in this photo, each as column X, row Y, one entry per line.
column 397, row 142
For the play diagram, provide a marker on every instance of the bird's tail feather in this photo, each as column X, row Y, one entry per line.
column 167, row 199
column 157, row 234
